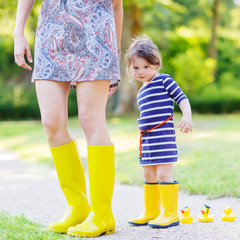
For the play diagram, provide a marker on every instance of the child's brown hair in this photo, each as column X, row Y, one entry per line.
column 143, row 47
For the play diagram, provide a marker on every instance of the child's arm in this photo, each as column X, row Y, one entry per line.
column 180, row 98
column 186, row 120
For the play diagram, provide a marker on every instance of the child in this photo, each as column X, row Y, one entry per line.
column 158, row 150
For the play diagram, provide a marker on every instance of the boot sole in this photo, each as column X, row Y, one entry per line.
column 138, row 224
column 89, row 235
column 52, row 229
column 164, row 226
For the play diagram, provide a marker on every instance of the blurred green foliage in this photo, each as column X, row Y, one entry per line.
column 19, row 101
column 182, row 31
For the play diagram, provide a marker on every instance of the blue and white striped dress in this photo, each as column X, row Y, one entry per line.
column 156, row 103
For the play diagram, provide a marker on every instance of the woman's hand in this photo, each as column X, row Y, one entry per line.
column 186, row 123
column 21, row 47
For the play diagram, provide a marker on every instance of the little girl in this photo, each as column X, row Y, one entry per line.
column 158, row 150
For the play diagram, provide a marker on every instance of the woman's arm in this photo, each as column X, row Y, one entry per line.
column 118, row 14
column 186, row 121
column 21, row 45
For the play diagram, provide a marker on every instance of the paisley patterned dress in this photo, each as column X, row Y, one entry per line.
column 76, row 41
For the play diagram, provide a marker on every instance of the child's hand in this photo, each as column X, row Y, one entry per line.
column 186, row 124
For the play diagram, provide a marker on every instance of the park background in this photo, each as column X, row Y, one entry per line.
column 200, row 46
column 198, row 40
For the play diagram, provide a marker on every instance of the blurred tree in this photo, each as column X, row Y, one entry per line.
column 132, row 27
column 135, row 14
column 184, row 31
column 212, row 53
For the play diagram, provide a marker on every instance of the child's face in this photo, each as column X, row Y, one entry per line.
column 142, row 70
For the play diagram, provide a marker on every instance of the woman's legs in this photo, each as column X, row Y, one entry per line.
column 92, row 100
column 52, row 98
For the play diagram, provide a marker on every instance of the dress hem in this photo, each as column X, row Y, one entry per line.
column 82, row 80
column 156, row 163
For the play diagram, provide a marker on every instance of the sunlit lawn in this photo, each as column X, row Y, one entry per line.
column 19, row 228
column 208, row 157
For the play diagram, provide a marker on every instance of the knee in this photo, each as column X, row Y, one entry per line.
column 86, row 120
column 51, row 127
column 149, row 177
column 164, row 173
column 165, row 177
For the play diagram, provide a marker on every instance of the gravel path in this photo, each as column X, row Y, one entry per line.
column 34, row 191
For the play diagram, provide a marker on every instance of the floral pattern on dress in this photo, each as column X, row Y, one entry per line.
column 76, row 41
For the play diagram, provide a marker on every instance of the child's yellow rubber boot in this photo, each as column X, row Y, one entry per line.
column 151, row 205
column 169, row 199
column 72, row 181
column 101, row 179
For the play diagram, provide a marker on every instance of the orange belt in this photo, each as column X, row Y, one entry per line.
column 149, row 130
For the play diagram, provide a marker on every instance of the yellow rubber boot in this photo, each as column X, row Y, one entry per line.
column 151, row 205
column 169, row 199
column 101, row 178
column 72, row 181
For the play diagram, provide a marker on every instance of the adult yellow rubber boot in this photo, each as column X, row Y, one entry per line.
column 101, row 179
column 151, row 205
column 169, row 199
column 72, row 181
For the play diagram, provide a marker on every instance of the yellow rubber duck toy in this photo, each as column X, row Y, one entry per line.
column 205, row 217
column 228, row 215
column 187, row 217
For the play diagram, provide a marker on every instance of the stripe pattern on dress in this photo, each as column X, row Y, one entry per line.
column 156, row 103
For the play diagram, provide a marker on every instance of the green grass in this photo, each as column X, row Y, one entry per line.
column 20, row 228
column 208, row 157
